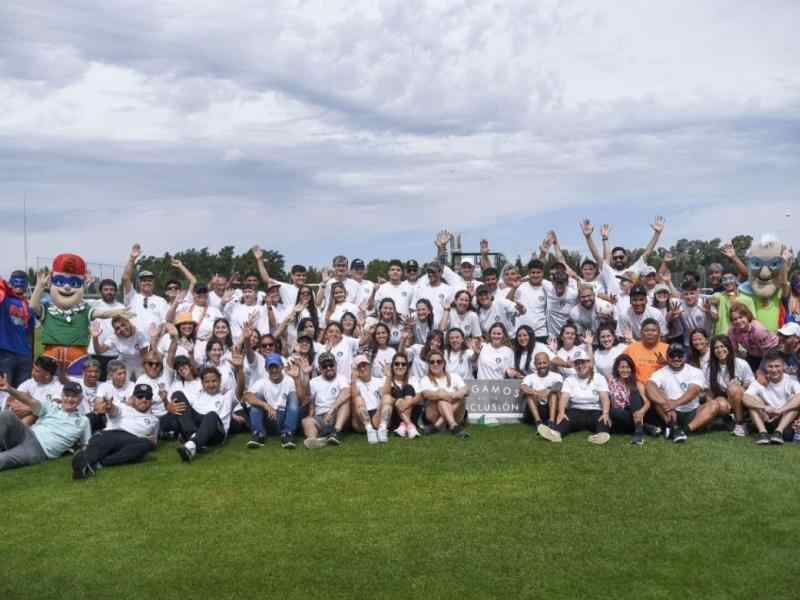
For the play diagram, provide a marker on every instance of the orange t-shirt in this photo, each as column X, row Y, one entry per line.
column 647, row 359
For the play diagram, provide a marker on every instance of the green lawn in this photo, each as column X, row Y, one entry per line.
column 502, row 515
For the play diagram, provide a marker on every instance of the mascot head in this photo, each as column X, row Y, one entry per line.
column 765, row 263
column 66, row 282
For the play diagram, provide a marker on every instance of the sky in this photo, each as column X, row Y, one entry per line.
column 319, row 128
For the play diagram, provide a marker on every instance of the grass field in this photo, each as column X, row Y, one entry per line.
column 502, row 515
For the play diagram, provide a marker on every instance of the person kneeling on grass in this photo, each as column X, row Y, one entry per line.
column 584, row 404
column 330, row 405
column 58, row 427
column 775, row 405
column 371, row 408
column 444, row 394
column 542, row 389
column 675, row 391
column 207, row 418
column 274, row 403
column 132, row 432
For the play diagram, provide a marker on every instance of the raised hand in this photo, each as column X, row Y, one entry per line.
column 484, row 248
column 176, row 262
column 586, row 227
column 658, row 225
column 171, row 330
column 552, row 343
column 442, row 239
column 42, row 278
column 293, row 370
column 588, row 338
column 728, row 249
column 381, row 280
column 237, row 357
column 668, row 257
column 258, row 252
column 153, row 330
column 136, row 252
column 788, row 255
column 604, row 230
column 95, row 328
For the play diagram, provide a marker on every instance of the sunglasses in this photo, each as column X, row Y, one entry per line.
column 437, row 361
column 175, row 287
column 268, row 345
column 67, row 280
column 401, row 364
column 152, row 363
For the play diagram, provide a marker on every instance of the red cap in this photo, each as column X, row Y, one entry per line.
column 71, row 264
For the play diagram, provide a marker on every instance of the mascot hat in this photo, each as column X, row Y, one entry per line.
column 71, row 264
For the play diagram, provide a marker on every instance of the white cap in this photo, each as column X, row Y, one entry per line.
column 360, row 360
column 790, row 329
column 580, row 354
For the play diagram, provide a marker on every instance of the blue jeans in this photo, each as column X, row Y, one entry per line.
column 286, row 422
column 17, row 367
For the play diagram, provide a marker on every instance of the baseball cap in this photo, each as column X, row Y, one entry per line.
column 661, row 287
column 559, row 277
column 146, row 274
column 182, row 361
column 357, row 264
column 676, row 350
column 72, row 387
column 790, row 329
column 274, row 360
column 648, row 270
column 638, row 290
column 482, row 289
column 433, row 266
column 465, row 262
column 412, row 265
column 326, row 357
column 580, row 354
column 360, row 360
column 143, row 390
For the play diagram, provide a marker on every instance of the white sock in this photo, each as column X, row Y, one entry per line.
column 191, row 446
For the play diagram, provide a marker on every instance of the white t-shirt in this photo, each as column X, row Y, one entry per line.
column 502, row 311
column 220, row 403
column 775, row 394
column 382, row 358
column 468, row 323
column 584, row 394
column 370, row 392
column 438, row 296
column 364, row 292
column 190, row 389
column 523, row 358
column 288, row 294
column 274, row 394
column 239, row 314
column 280, row 311
column 48, row 392
column 401, row 294
column 742, row 372
column 493, row 362
column 89, row 394
column 427, row 384
column 338, row 312
column 674, row 384
column 137, row 423
column 129, row 349
column 591, row 318
column 419, row 367
column 105, row 324
column 630, row 319
column 119, row 396
column 559, row 307
column 159, row 384
column 604, row 359
column 567, row 356
column 344, row 352
column 537, row 383
column 534, row 299
column 154, row 313
column 460, row 363
column 325, row 393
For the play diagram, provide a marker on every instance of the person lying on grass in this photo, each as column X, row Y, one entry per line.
column 59, row 426
column 775, row 405
column 330, row 405
column 206, row 417
column 132, row 432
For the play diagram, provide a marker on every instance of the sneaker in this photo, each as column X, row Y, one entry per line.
column 652, row 430
column 679, row 435
column 762, row 439
column 334, row 439
column 638, row 438
column 668, row 432
column 312, row 443
column 287, row 442
column 80, row 466
column 383, row 435
column 739, row 430
column 257, row 440
column 401, row 431
column 776, row 437
column 599, row 438
column 460, row 432
column 412, row 432
column 372, row 435
column 187, row 451
column 551, row 435
column 796, row 437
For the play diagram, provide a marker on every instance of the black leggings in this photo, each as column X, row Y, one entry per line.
column 116, row 447
column 622, row 418
column 579, row 420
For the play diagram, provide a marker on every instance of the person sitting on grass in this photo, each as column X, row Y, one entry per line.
column 59, row 426
column 727, row 377
column 398, row 386
column 648, row 354
column 674, row 391
column 774, row 405
column 116, row 390
column 43, row 386
column 444, row 394
column 629, row 403
column 584, row 404
column 207, row 419
column 330, row 405
column 275, row 403
column 132, row 432
column 541, row 390
column 371, row 408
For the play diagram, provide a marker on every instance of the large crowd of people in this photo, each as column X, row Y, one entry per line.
column 618, row 347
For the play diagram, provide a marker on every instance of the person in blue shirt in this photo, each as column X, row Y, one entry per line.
column 16, row 329
column 58, row 428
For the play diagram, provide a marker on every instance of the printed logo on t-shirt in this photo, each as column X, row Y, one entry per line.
column 498, row 360
column 334, row 391
column 441, row 296
column 218, row 404
column 340, row 354
column 404, row 294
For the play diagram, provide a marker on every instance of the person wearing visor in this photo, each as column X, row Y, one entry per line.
column 275, row 403
column 330, row 405
column 583, row 405
column 674, row 391
column 59, row 426
column 16, row 329
column 131, row 433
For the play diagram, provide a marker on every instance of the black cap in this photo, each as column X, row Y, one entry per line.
column 72, row 387
column 433, row 266
column 412, row 264
column 637, row 290
column 182, row 361
column 143, row 390
column 358, row 264
column 676, row 350
column 326, row 357
column 559, row 277
column 482, row 289
column 200, row 288
column 298, row 269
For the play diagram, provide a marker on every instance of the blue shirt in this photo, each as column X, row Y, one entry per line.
column 57, row 430
column 16, row 322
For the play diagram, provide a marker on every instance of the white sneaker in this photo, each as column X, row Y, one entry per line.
column 739, row 430
column 551, row 435
column 599, row 438
column 383, row 435
column 312, row 443
column 372, row 435
column 401, row 431
column 412, row 432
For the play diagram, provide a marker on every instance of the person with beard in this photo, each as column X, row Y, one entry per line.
column 16, row 329
column 108, row 300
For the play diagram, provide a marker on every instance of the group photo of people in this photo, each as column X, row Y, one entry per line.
column 613, row 347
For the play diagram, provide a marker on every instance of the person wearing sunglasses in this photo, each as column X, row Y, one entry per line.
column 144, row 303
column 618, row 258
column 157, row 379
column 16, row 328
column 274, row 403
column 398, row 384
column 329, row 410
column 445, row 395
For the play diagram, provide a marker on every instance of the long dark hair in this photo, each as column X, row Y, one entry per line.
column 227, row 341
column 408, row 368
column 447, row 347
column 461, row 293
column 694, row 355
column 429, row 320
column 568, row 325
column 714, row 366
column 518, row 350
column 435, row 333
column 311, row 307
column 302, row 325
column 396, row 319
column 624, row 358
column 311, row 352
column 372, row 348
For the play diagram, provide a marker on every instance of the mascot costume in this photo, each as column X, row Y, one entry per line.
column 65, row 321
column 768, row 262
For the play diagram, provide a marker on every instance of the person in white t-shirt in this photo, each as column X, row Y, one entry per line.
column 246, row 311
column 275, row 403
column 726, row 378
column 630, row 321
column 396, row 289
column 330, row 405
column 338, row 305
column 618, row 258
column 208, row 418
column 371, row 407
column 200, row 312
column 132, row 432
column 148, row 308
column 435, row 291
column 590, row 312
column 379, row 351
column 542, row 391
column 89, row 381
column 158, row 379
column 583, row 405
column 460, row 358
column 357, row 272
column 532, row 294
column 561, row 298
column 525, row 347
column 43, row 386
column 127, row 342
column 107, row 301
column 493, row 310
column 342, row 347
column 445, row 397
column 461, row 316
column 774, row 405
column 674, row 391
column 116, row 391
column 495, row 359
column 609, row 348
